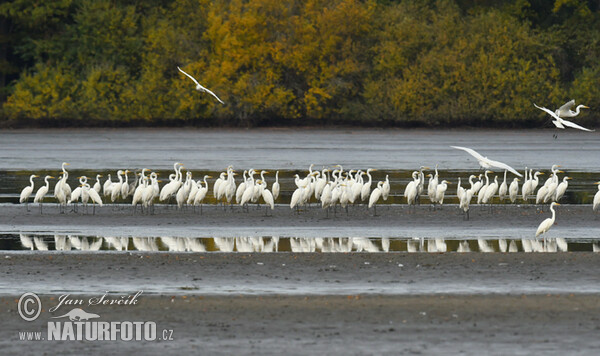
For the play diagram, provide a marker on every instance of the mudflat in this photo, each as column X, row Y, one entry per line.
column 263, row 314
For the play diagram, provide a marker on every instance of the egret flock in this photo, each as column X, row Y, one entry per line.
column 328, row 187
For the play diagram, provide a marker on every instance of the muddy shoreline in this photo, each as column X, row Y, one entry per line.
column 353, row 320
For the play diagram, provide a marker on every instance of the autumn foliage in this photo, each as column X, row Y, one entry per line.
column 291, row 62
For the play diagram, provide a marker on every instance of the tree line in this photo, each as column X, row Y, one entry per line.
column 442, row 63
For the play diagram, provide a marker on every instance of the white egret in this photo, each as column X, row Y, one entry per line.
column 565, row 110
column 94, row 196
column 26, row 192
column 201, row 194
column 513, row 190
column 487, row 163
column 596, row 203
column 412, row 189
column 561, row 123
column 374, row 197
column 529, row 186
column 385, row 188
column 459, row 190
column 481, row 193
column 547, row 224
column 241, row 187
column 441, row 191
column 465, row 201
column 432, row 186
column 125, row 185
column 199, row 87
column 116, row 187
column 267, row 196
column 138, row 195
column 296, row 197
column 366, row 188
column 42, row 191
column 490, row 192
column 477, row 185
column 97, row 185
column 561, row 189
column 275, row 187
column 503, row 190
column 107, row 187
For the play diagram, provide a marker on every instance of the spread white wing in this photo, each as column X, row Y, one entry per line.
column 200, row 86
column 471, row 152
column 490, row 162
column 503, row 166
column 189, row 76
column 565, row 110
column 211, row 93
column 548, row 111
column 574, row 125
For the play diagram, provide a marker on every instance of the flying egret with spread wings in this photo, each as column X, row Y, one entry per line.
column 200, row 87
column 561, row 123
column 486, row 162
column 565, row 110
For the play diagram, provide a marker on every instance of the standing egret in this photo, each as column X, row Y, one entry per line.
column 107, row 187
column 94, row 196
column 487, row 163
column 490, row 192
column 385, row 188
column 199, row 87
column 412, row 189
column 529, row 186
column 241, row 187
column 366, row 188
column 42, row 191
column 565, row 110
column 116, row 187
column 432, row 186
column 503, row 189
column 513, row 190
column 440, row 192
column 97, row 185
column 267, row 196
column 26, row 192
column 296, row 197
column 125, row 185
column 374, row 197
column 481, row 193
column 561, row 189
column 596, row 204
column 275, row 187
column 465, row 202
column 547, row 224
column 201, row 194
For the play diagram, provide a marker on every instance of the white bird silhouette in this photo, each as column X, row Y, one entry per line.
column 561, row 123
column 488, row 163
column 200, row 87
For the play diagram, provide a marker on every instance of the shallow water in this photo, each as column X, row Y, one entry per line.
column 270, row 244
column 103, row 149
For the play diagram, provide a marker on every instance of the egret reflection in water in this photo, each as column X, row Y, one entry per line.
column 272, row 244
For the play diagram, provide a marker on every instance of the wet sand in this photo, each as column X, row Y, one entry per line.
column 353, row 321
column 506, row 221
